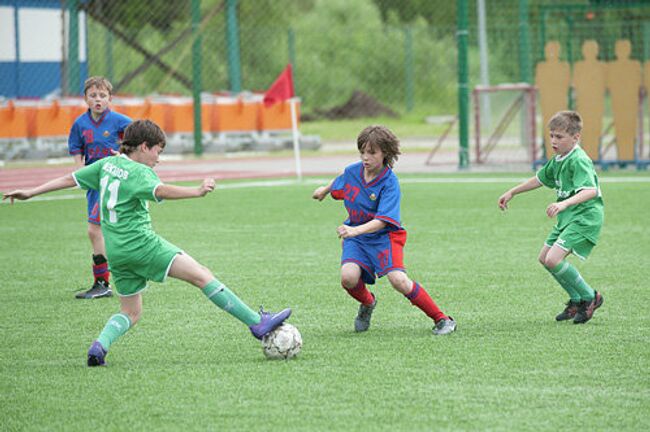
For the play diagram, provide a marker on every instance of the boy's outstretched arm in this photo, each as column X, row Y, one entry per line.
column 530, row 184
column 321, row 192
column 64, row 182
column 582, row 196
column 165, row 191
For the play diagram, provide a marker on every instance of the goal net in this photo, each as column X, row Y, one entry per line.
column 505, row 126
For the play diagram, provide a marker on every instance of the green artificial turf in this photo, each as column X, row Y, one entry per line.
column 189, row 366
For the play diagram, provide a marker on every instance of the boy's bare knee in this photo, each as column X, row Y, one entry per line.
column 134, row 316
column 550, row 263
column 400, row 281
column 204, row 277
column 395, row 278
column 349, row 280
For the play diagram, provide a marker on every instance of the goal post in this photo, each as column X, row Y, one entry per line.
column 509, row 137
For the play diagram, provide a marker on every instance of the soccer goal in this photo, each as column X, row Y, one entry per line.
column 505, row 125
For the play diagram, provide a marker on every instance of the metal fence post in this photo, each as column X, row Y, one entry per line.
column 525, row 74
column 525, row 71
column 196, row 75
column 408, row 66
column 463, row 91
column 232, row 40
column 73, row 47
column 291, row 36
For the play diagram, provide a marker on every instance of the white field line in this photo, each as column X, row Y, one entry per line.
column 318, row 181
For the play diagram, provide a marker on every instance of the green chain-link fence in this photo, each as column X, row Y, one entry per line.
column 350, row 58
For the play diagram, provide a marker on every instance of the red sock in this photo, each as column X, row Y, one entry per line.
column 100, row 268
column 420, row 297
column 361, row 293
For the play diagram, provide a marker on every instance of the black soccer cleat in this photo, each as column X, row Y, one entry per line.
column 586, row 309
column 99, row 289
column 569, row 311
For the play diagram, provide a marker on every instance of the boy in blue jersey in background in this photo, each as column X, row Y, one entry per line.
column 373, row 237
column 96, row 135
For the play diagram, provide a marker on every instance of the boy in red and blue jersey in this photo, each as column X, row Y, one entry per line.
column 373, row 236
column 96, row 135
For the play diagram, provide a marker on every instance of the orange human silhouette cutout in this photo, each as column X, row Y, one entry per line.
column 589, row 82
column 646, row 83
column 552, row 78
column 623, row 82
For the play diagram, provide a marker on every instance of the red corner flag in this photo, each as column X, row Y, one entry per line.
column 281, row 89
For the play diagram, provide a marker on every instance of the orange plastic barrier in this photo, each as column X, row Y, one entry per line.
column 56, row 119
column 182, row 117
column 17, row 121
column 276, row 117
column 34, row 119
column 233, row 115
column 134, row 110
column 138, row 108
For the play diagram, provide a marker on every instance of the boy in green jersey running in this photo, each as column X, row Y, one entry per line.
column 136, row 254
column 579, row 211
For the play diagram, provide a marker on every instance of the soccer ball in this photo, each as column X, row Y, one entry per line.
column 282, row 343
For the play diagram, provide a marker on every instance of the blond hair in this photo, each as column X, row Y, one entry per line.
column 567, row 121
column 99, row 82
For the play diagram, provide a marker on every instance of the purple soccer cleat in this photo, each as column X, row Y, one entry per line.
column 269, row 322
column 96, row 355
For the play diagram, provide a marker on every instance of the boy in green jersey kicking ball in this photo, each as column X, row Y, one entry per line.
column 579, row 211
column 136, row 254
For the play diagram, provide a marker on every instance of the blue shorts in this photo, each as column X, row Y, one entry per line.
column 376, row 256
column 92, row 196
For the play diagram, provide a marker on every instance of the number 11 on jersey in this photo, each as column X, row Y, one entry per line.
column 113, row 190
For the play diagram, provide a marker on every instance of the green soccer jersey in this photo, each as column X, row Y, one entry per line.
column 125, row 189
column 568, row 175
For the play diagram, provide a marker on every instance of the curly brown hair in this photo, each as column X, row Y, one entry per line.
column 382, row 138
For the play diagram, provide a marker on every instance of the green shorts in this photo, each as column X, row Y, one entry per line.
column 571, row 239
column 130, row 276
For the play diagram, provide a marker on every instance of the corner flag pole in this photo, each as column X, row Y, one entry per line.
column 282, row 90
column 296, row 137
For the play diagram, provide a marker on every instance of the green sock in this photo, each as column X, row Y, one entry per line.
column 570, row 277
column 116, row 327
column 557, row 274
column 220, row 295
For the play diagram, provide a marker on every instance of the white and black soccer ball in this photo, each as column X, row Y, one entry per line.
column 284, row 342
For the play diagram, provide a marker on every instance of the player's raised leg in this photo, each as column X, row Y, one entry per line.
column 419, row 297
column 186, row 268
column 352, row 282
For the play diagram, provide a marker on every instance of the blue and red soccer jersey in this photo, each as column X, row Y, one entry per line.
column 380, row 252
column 94, row 140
